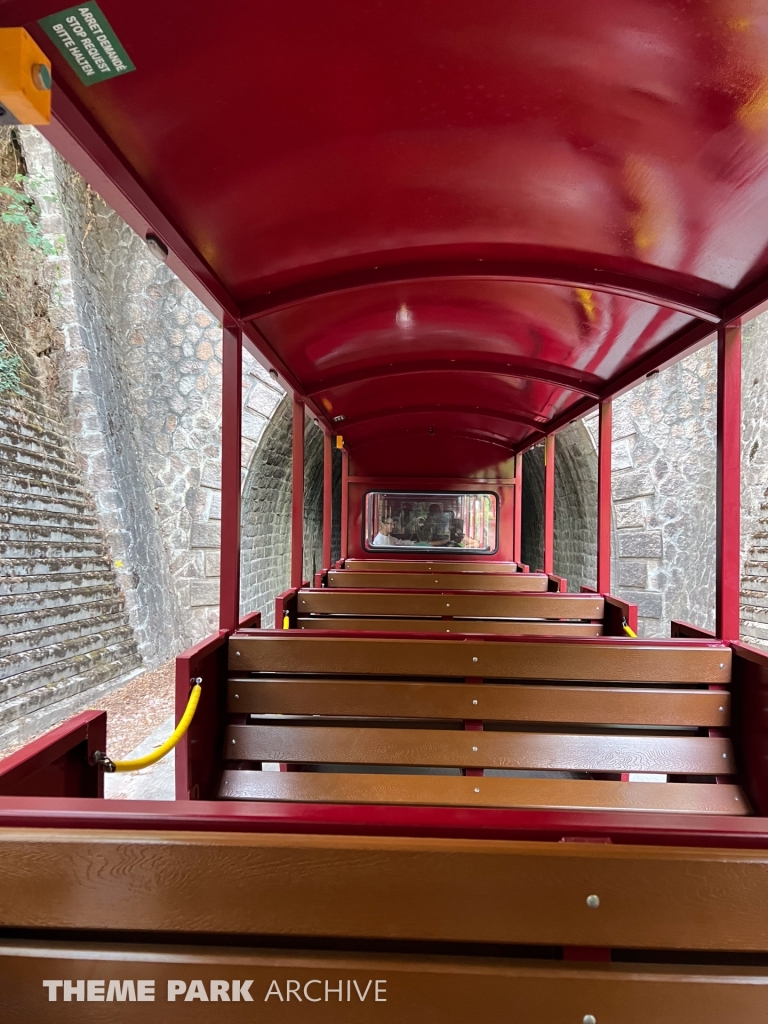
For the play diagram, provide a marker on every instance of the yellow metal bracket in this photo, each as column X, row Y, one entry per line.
column 25, row 79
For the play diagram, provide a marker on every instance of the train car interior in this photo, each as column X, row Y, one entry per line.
column 448, row 232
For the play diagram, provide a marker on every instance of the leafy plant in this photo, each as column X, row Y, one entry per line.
column 10, row 375
column 22, row 210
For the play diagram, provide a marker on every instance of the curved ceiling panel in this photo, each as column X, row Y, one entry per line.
column 631, row 129
column 473, row 209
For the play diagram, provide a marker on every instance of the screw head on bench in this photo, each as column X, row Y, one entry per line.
column 722, row 665
column 237, row 654
column 234, row 741
column 725, row 755
column 474, row 659
column 474, row 750
column 589, row 1018
column 474, row 702
column 237, row 696
column 477, row 789
column 593, row 901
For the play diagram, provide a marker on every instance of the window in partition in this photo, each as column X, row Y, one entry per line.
column 465, row 520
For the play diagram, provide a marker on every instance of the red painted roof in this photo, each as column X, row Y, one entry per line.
column 443, row 220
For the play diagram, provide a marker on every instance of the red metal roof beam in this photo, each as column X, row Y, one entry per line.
column 563, row 275
column 522, row 369
column 435, row 410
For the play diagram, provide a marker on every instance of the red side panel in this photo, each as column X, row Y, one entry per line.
column 60, row 762
column 198, row 753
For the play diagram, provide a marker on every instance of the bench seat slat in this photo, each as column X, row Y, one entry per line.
column 444, row 581
column 588, row 661
column 491, row 702
column 328, row 601
column 450, row 989
column 481, row 626
column 437, row 790
column 672, row 755
column 429, row 564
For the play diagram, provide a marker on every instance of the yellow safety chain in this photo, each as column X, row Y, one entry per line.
column 158, row 753
column 628, row 630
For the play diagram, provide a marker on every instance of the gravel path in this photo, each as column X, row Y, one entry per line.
column 137, row 709
column 154, row 783
column 134, row 712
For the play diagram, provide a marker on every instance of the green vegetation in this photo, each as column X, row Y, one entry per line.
column 23, row 211
column 10, row 371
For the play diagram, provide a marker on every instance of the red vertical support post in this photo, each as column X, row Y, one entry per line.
column 549, row 503
column 344, row 500
column 297, row 496
column 517, row 529
column 604, row 457
column 728, row 587
column 231, row 424
column 327, row 499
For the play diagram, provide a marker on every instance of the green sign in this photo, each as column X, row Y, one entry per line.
column 88, row 42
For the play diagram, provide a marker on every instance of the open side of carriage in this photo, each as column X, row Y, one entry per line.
column 448, row 233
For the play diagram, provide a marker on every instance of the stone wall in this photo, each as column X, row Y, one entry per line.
column 266, row 514
column 575, row 555
column 664, row 465
column 754, row 482
column 65, row 638
column 663, row 497
column 141, row 369
column 141, row 364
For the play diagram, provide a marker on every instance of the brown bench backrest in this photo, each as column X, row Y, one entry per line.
column 601, row 661
column 426, row 564
column 511, row 614
column 378, row 704
column 444, row 581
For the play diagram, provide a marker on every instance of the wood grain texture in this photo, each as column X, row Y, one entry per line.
column 384, row 887
column 441, row 790
column 443, row 581
column 668, row 754
column 327, row 601
column 463, row 626
column 491, row 702
column 426, row 565
column 578, row 661
column 418, row 989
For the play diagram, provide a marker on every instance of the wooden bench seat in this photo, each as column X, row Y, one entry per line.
column 444, row 791
column 506, row 628
column 510, row 614
column 427, row 563
column 496, row 702
column 513, row 750
column 362, row 717
column 415, row 987
column 516, row 583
